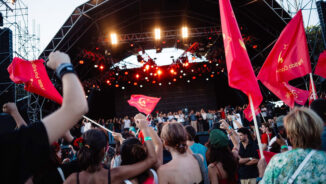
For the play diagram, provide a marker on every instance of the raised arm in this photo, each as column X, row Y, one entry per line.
column 158, row 145
column 128, row 171
column 11, row 109
column 74, row 103
column 233, row 135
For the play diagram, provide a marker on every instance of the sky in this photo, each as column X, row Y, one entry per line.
column 51, row 14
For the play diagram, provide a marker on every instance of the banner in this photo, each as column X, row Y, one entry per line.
column 145, row 104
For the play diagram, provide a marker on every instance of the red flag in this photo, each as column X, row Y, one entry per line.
column 145, row 104
column 268, row 155
column 240, row 73
column 289, row 59
column 35, row 78
column 248, row 113
column 321, row 65
column 311, row 94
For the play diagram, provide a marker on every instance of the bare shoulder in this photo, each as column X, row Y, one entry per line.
column 71, row 179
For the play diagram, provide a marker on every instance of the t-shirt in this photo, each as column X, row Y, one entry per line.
column 265, row 139
column 282, row 166
column 126, row 123
column 23, row 151
column 248, row 171
column 199, row 149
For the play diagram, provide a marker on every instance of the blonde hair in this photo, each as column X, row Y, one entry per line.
column 304, row 128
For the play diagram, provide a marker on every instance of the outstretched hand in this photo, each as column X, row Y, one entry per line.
column 224, row 125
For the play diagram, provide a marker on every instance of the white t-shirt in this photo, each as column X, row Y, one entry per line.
column 126, row 123
column 237, row 117
column 181, row 118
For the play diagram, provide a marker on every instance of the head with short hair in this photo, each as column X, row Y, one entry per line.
column 304, row 128
column 175, row 136
column 244, row 134
column 191, row 132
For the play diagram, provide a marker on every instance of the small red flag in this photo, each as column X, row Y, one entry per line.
column 145, row 104
column 289, row 59
column 321, row 65
column 35, row 78
column 248, row 113
column 268, row 155
column 311, row 94
column 240, row 73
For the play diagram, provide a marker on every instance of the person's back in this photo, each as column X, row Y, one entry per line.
column 184, row 166
column 285, row 164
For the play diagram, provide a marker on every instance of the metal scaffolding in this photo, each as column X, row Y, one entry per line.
column 25, row 45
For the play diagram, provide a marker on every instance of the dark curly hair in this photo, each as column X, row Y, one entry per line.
column 132, row 151
column 226, row 157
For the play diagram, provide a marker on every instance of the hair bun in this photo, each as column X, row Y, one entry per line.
column 181, row 148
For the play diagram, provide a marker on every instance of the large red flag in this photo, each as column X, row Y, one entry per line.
column 321, row 65
column 145, row 104
column 289, row 59
column 240, row 73
column 35, row 78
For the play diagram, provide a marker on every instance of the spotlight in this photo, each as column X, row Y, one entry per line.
column 207, row 79
column 135, row 84
column 157, row 33
column 160, row 84
column 169, row 83
column 188, row 81
column 184, row 32
column 174, row 79
column 81, row 62
column 159, row 72
column 146, row 67
column 212, row 75
column 117, row 85
column 122, row 87
column 108, row 81
column 95, row 66
column 154, row 82
column 114, row 39
column 126, row 73
column 194, row 77
column 141, row 86
column 172, row 71
column 137, row 76
column 101, row 67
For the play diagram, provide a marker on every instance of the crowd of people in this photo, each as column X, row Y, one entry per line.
column 164, row 147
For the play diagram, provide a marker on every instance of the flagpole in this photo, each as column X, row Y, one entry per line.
column 313, row 86
column 256, row 127
column 92, row 121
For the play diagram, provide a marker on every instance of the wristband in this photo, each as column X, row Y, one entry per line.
column 284, row 147
column 63, row 69
column 147, row 139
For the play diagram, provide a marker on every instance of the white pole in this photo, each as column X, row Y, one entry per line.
column 313, row 86
column 256, row 127
column 92, row 121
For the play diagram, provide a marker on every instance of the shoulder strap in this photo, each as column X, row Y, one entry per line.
column 154, row 175
column 202, row 169
column 61, row 174
column 303, row 163
column 77, row 177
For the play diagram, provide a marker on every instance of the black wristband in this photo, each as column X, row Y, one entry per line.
column 63, row 69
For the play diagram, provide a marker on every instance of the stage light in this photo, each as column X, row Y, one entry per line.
column 216, row 64
column 160, row 84
column 181, row 71
column 254, row 46
column 194, row 77
column 114, row 39
column 126, row 73
column 212, row 75
column 146, row 67
column 108, row 81
column 154, row 82
column 184, row 32
column 192, row 70
column 180, row 76
column 159, row 72
column 135, row 84
column 131, row 45
column 184, row 74
column 81, row 62
column 186, row 64
column 157, row 33
column 205, row 65
column 172, row 71
column 117, row 85
column 129, row 82
column 169, row 83
column 141, row 86
column 123, row 87
column 95, row 66
column 151, row 74
column 188, row 81
column 146, row 78
column 164, row 42
column 101, row 67
column 178, row 41
column 209, row 38
column 174, row 79
column 137, row 76
column 117, row 74
column 207, row 79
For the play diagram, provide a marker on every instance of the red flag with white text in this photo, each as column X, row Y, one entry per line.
column 240, row 73
column 145, row 104
column 288, row 60
column 33, row 74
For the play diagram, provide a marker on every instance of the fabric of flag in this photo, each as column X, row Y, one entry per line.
column 288, row 60
column 321, row 65
column 33, row 74
column 311, row 94
column 145, row 104
column 240, row 73
column 268, row 155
